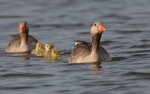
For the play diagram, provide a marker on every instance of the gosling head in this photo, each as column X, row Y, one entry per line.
column 39, row 45
column 55, row 52
column 51, row 45
column 47, row 46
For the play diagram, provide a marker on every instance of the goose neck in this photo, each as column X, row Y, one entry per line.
column 95, row 42
column 24, row 38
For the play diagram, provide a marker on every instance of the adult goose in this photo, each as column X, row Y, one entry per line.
column 21, row 44
column 31, row 40
column 90, row 52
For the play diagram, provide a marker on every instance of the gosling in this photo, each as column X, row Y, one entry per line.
column 38, row 49
column 53, row 56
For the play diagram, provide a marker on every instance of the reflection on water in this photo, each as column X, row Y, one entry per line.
column 97, row 68
column 96, row 65
column 20, row 54
column 24, row 61
column 25, row 58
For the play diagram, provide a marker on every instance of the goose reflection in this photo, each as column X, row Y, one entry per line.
column 24, row 60
column 97, row 68
column 26, row 54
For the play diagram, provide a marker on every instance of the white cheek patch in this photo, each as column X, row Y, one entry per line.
column 76, row 43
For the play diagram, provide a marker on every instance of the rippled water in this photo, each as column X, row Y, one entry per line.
column 63, row 21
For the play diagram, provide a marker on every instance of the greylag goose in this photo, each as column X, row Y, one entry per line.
column 90, row 52
column 20, row 44
column 31, row 40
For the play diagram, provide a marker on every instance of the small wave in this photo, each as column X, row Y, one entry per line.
column 117, row 58
column 140, row 55
column 137, row 51
column 106, row 42
column 13, row 16
column 83, row 33
column 141, row 74
column 145, row 40
column 17, row 87
column 140, row 46
column 128, row 31
column 116, row 16
column 64, row 52
column 58, row 25
column 24, row 75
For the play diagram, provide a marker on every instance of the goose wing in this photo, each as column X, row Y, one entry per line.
column 79, row 52
column 103, row 54
column 31, row 40
column 13, row 44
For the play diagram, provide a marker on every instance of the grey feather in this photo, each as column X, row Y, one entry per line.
column 103, row 54
column 31, row 40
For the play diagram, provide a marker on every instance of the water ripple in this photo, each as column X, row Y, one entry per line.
column 13, row 16
column 143, row 75
column 63, row 21
column 17, row 87
column 8, row 75
column 118, row 58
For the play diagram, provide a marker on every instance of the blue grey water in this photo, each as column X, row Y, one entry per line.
column 127, row 40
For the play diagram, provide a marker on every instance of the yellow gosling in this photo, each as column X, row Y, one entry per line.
column 48, row 48
column 46, row 51
column 54, row 55
column 39, row 48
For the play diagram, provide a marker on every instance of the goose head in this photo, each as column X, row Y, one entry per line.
column 97, row 27
column 23, row 27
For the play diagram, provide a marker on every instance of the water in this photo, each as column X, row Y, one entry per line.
column 63, row 21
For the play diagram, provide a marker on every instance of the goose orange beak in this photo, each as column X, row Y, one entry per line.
column 22, row 28
column 101, row 28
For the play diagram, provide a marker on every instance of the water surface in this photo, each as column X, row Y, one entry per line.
column 63, row 21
